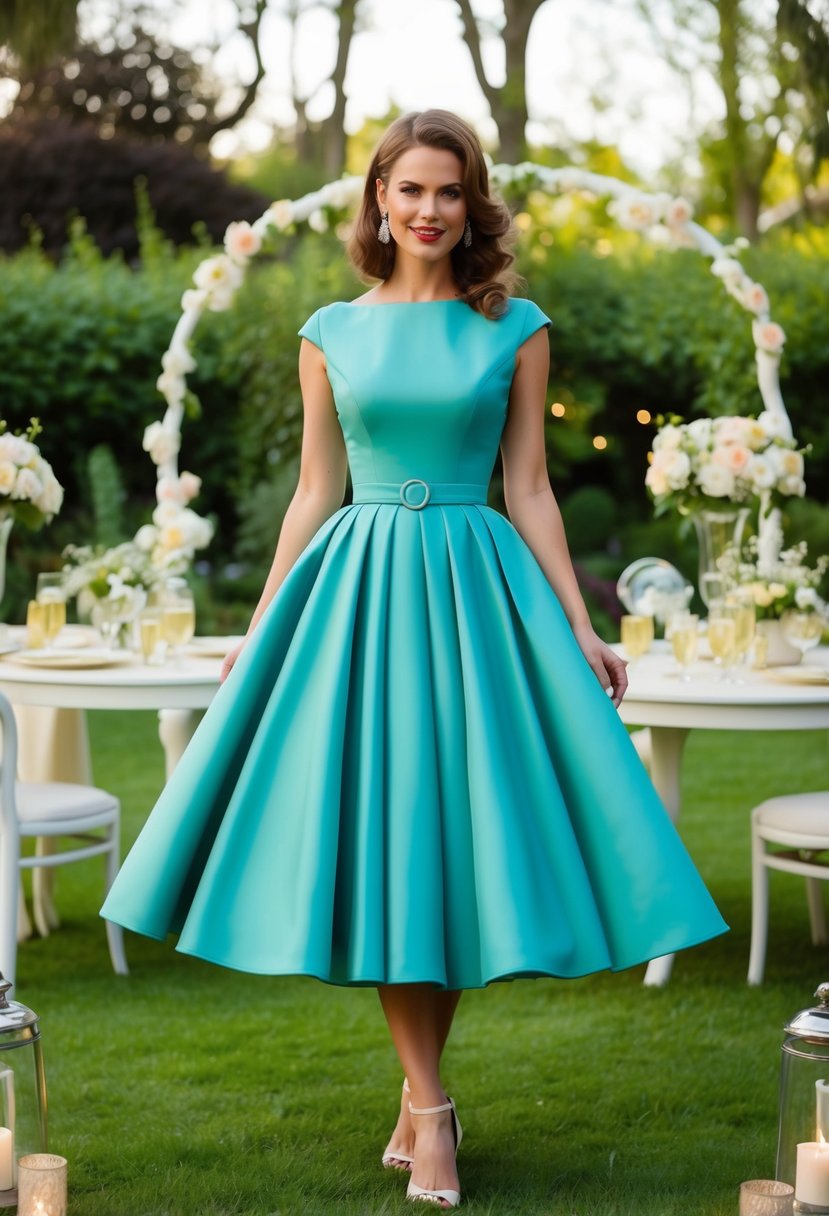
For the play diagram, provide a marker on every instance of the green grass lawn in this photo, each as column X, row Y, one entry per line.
column 190, row 1090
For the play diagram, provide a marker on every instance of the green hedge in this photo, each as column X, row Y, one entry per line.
column 81, row 342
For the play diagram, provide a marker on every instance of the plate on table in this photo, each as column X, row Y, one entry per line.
column 74, row 637
column 212, row 648
column 799, row 675
column 71, row 658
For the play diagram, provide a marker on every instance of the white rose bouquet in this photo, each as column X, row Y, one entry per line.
column 790, row 583
column 29, row 490
column 709, row 461
column 122, row 573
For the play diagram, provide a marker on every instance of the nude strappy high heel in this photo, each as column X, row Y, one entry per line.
column 390, row 1158
column 415, row 1192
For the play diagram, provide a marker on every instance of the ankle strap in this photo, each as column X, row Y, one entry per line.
column 429, row 1110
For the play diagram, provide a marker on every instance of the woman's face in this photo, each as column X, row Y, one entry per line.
column 425, row 193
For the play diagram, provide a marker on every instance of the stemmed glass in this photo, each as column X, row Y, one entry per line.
column 50, row 593
column 149, row 634
column 178, row 615
column 683, row 632
column 803, row 628
column 741, row 607
column 722, row 638
column 636, row 635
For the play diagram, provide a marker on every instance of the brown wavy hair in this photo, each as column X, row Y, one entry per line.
column 481, row 271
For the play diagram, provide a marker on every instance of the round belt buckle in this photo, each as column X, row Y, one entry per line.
column 415, row 481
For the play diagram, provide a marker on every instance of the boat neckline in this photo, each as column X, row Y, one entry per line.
column 400, row 303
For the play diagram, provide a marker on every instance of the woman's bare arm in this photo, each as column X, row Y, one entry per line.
column 533, row 509
column 321, row 484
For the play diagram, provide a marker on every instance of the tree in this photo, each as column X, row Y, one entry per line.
column 36, row 32
column 507, row 102
column 53, row 170
column 772, row 72
column 137, row 83
column 334, row 139
column 809, row 34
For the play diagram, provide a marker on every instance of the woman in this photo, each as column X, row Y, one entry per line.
column 414, row 775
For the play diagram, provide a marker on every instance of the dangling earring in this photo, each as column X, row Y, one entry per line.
column 384, row 232
column 467, row 233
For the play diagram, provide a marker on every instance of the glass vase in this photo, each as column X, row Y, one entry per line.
column 717, row 529
column 779, row 651
column 6, row 522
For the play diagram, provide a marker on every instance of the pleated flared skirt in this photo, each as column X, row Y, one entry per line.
column 412, row 774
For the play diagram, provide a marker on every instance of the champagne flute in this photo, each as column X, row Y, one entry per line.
column 150, row 635
column 178, row 616
column 722, row 638
column 684, row 637
column 741, row 607
column 802, row 628
column 35, row 625
column 51, row 595
column 636, row 635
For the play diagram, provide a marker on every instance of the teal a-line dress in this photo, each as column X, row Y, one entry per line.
column 412, row 773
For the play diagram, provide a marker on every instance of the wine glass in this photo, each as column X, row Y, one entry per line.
column 50, row 593
column 722, row 638
column 803, row 628
column 178, row 616
column 684, row 636
column 637, row 635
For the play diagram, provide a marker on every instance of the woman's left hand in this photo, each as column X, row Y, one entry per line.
column 609, row 668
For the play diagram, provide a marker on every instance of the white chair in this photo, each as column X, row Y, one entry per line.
column 51, row 810
column 800, row 823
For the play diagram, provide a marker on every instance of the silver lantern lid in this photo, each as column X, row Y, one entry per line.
column 812, row 1025
column 18, row 1024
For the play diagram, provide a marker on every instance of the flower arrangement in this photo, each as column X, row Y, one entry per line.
column 709, row 461
column 29, row 491
column 121, row 575
column 789, row 583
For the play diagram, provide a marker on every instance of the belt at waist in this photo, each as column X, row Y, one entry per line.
column 416, row 493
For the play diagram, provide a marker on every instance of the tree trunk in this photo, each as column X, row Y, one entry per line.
column 507, row 104
column 38, row 31
column 749, row 162
column 512, row 114
column 253, row 31
column 334, row 137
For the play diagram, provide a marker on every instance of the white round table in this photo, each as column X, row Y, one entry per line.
column 766, row 700
column 50, row 705
column 187, row 687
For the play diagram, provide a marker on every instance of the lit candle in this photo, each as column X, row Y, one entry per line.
column 812, row 1179
column 822, row 1105
column 6, row 1159
column 42, row 1185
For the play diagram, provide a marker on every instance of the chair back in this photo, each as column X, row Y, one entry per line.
column 9, row 827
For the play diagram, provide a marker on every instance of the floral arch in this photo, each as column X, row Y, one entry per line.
column 177, row 531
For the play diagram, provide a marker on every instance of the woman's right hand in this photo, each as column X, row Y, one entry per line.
column 229, row 659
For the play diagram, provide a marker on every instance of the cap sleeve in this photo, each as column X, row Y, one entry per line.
column 533, row 319
column 311, row 329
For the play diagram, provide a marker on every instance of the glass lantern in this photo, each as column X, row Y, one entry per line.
column 22, row 1091
column 804, row 1106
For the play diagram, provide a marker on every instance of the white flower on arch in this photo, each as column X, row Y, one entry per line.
column 659, row 216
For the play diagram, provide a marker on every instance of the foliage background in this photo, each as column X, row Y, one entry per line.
column 635, row 328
